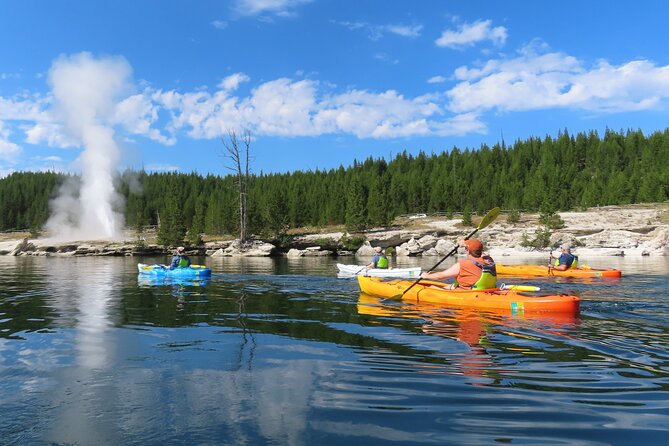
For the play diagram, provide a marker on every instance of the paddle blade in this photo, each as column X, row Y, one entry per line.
column 529, row 288
column 489, row 218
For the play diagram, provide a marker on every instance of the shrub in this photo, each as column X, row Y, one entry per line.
column 467, row 218
column 514, row 216
column 542, row 239
column 327, row 243
column 551, row 220
column 351, row 243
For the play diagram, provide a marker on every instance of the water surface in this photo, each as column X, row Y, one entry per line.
column 281, row 351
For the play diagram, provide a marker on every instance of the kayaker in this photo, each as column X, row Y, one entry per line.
column 477, row 271
column 379, row 260
column 565, row 261
column 180, row 259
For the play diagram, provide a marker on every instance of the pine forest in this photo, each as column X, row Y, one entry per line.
column 549, row 174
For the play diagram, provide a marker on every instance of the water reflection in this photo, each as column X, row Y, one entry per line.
column 471, row 327
column 278, row 352
column 90, row 297
column 148, row 281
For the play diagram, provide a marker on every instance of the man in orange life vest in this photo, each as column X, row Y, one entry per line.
column 469, row 273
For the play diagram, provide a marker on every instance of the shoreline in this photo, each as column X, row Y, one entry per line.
column 634, row 230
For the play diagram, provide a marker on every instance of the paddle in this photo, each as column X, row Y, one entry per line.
column 358, row 271
column 489, row 218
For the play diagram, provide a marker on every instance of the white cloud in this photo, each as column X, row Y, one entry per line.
column 137, row 114
column 376, row 32
column 281, row 8
column 52, row 158
column 233, row 81
column 284, row 107
column 22, row 109
column 469, row 34
column 161, row 168
column 219, row 24
column 555, row 80
column 404, row 30
column 436, row 80
column 51, row 133
column 6, row 172
column 533, row 79
column 385, row 57
column 9, row 151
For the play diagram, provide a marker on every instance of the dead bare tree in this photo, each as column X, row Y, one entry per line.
column 240, row 160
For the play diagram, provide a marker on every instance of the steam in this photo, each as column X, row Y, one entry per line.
column 86, row 91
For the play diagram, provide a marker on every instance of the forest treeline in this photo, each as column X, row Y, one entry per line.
column 549, row 174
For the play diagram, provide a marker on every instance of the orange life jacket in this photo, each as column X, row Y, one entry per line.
column 471, row 269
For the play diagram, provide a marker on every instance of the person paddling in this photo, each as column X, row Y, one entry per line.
column 565, row 261
column 180, row 259
column 477, row 271
column 379, row 260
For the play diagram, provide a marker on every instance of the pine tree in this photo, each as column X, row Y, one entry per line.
column 197, row 225
column 356, row 218
column 172, row 229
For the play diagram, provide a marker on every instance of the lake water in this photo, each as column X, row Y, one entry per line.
column 282, row 352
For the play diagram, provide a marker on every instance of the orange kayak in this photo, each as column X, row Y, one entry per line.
column 495, row 299
column 541, row 270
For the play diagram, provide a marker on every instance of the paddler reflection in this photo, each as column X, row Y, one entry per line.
column 471, row 327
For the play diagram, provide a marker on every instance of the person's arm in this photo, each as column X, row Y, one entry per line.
column 562, row 265
column 449, row 273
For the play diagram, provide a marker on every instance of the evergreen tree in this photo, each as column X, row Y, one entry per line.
column 356, row 218
column 379, row 202
column 172, row 230
column 197, row 226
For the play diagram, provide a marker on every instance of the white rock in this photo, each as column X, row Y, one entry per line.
column 365, row 250
column 295, row 253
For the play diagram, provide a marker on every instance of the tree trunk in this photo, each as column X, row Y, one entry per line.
column 240, row 160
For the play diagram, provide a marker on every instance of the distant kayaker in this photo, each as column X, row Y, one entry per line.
column 180, row 259
column 477, row 271
column 565, row 261
column 379, row 260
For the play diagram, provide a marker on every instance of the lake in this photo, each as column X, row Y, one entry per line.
column 282, row 352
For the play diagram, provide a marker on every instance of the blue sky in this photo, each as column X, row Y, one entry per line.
column 318, row 83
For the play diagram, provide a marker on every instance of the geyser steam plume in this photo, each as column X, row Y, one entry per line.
column 86, row 91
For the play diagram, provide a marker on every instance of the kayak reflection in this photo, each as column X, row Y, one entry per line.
column 145, row 280
column 476, row 328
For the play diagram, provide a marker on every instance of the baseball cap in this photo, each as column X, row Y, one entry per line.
column 473, row 245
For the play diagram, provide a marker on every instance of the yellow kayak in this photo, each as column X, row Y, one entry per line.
column 541, row 270
column 495, row 299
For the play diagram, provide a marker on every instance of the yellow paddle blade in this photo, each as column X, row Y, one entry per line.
column 489, row 218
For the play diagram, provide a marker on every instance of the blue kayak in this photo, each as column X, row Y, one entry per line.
column 191, row 272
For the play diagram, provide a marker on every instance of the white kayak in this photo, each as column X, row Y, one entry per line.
column 357, row 270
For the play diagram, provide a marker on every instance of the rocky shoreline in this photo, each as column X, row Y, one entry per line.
column 633, row 230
